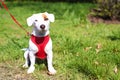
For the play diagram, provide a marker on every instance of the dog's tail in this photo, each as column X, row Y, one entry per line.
column 24, row 49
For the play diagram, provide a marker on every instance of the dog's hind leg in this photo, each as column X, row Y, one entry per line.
column 32, row 61
column 26, row 55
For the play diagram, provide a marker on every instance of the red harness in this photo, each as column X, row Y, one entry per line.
column 40, row 42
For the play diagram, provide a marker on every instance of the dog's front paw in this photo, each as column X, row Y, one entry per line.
column 52, row 71
column 31, row 69
column 25, row 66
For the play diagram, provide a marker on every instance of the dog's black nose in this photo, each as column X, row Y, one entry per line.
column 42, row 26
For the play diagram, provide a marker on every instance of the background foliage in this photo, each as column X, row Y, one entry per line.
column 56, row 0
column 82, row 50
column 108, row 9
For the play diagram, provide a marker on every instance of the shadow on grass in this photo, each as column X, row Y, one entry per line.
column 113, row 38
column 41, row 61
column 84, row 69
column 69, row 1
column 43, row 3
column 87, row 72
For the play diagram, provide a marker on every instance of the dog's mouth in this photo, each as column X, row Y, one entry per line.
column 43, row 31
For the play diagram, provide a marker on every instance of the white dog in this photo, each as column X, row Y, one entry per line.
column 40, row 44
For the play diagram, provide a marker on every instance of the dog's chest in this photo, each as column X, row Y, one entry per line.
column 41, row 43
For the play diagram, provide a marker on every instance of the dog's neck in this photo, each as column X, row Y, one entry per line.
column 40, row 33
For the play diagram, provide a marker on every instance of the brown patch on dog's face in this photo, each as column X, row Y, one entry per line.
column 45, row 17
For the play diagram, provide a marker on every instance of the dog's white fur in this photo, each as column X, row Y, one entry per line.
column 36, row 20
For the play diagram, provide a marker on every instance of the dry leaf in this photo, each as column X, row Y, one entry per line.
column 97, row 50
column 115, row 69
column 96, row 63
column 87, row 48
column 99, row 46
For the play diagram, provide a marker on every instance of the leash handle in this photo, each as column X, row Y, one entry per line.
column 14, row 19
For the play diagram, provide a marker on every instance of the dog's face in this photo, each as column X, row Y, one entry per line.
column 40, row 21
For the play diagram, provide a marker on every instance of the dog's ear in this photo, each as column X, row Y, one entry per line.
column 30, row 20
column 51, row 17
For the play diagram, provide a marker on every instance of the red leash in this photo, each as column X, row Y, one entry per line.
column 4, row 5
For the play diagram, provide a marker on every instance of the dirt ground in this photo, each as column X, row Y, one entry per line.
column 100, row 20
column 10, row 71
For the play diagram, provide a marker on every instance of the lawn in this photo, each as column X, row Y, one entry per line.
column 82, row 50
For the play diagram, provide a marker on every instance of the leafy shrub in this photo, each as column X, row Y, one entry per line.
column 107, row 9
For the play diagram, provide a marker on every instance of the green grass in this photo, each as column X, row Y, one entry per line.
column 75, row 42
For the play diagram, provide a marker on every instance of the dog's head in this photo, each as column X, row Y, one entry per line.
column 40, row 21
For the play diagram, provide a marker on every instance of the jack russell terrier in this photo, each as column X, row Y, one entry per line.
column 40, row 43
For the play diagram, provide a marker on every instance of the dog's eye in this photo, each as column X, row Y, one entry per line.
column 36, row 20
column 46, row 19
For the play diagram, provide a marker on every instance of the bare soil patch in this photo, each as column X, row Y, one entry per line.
column 10, row 71
column 94, row 19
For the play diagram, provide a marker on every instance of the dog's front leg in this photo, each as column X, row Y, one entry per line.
column 32, row 60
column 49, row 61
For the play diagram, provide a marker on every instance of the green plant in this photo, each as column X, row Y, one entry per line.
column 107, row 9
column 75, row 44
